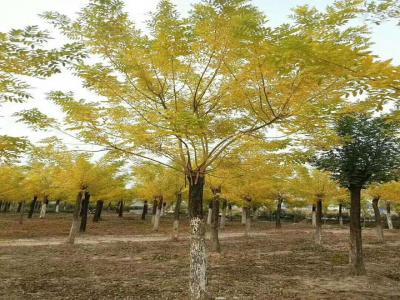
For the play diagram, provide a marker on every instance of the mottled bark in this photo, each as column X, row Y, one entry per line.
column 32, row 207
column 356, row 254
column 389, row 215
column 378, row 220
column 318, row 223
column 75, row 216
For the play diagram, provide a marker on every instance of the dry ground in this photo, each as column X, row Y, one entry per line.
column 273, row 264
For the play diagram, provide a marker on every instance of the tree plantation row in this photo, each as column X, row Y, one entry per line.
column 212, row 108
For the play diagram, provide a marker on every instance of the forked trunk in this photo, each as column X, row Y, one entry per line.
column 318, row 223
column 198, row 255
column 98, row 210
column 32, row 207
column 75, row 216
column 389, row 216
column 215, row 246
column 21, row 212
column 278, row 213
column 378, row 221
column 356, row 254
column 314, row 216
column 84, row 212
column 341, row 214
column 223, row 214
column 175, row 229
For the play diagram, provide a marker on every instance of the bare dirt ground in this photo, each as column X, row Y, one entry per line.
column 126, row 261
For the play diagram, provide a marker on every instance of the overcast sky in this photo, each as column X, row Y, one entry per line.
column 19, row 13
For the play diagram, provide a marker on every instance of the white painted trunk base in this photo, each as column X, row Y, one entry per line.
column 157, row 220
column 209, row 216
column 314, row 219
column 243, row 215
column 43, row 210
column 389, row 221
column 57, row 208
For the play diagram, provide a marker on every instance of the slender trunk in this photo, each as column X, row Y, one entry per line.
column 313, row 216
column 356, row 254
column 75, row 216
column 84, row 212
column 1, row 205
column 38, row 206
column 340, row 214
column 154, row 211
column 223, row 214
column 57, row 206
column 121, row 209
column 255, row 214
column 6, row 205
column 198, row 255
column 318, row 222
column 209, row 215
column 19, row 206
column 278, row 213
column 97, row 212
column 243, row 215
column 32, row 207
column 248, row 221
column 175, row 229
column 43, row 209
column 230, row 212
column 21, row 212
column 389, row 216
column 378, row 221
column 157, row 216
column 144, row 211
column 215, row 246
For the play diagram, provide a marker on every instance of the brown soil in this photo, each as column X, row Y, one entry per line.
column 283, row 264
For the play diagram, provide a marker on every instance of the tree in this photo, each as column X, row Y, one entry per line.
column 370, row 152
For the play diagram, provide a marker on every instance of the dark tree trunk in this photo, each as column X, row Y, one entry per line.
column 145, row 209
column 175, row 228
column 314, row 216
column 1, row 205
column 19, row 206
column 75, row 216
column 121, row 209
column 378, row 221
column 215, row 246
column 5, row 208
column 32, row 207
column 21, row 212
column 356, row 254
column 38, row 205
column 84, row 212
column 97, row 212
column 198, row 256
column 278, row 213
column 230, row 212
column 341, row 214
column 318, row 221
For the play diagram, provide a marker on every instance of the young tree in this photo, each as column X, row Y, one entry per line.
column 370, row 152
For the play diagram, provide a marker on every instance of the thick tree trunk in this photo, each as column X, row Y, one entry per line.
column 57, row 206
column 278, row 213
column 21, row 212
column 19, row 206
column 75, row 216
column 32, row 207
column 84, row 212
column 378, row 220
column 223, row 214
column 158, row 215
column 120, row 209
column 43, row 209
column 389, row 215
column 98, row 210
column 175, row 229
column 340, row 214
column 215, row 246
column 356, row 254
column 198, row 255
column 144, row 211
column 318, row 223
column 209, row 215
column 313, row 216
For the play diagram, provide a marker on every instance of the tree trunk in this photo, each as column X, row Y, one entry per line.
column 215, row 246
column 356, row 254
column 230, row 212
column 313, row 216
column 158, row 214
column 389, row 216
column 21, row 212
column 6, row 205
column 97, row 212
column 75, row 216
column 340, row 214
column 243, row 215
column 144, row 211
column 57, row 206
column 255, row 214
column 223, row 214
column 278, row 213
column 209, row 215
column 175, row 229
column 120, row 209
column 84, row 212
column 248, row 221
column 198, row 255
column 19, row 206
column 154, row 210
column 318, row 223
column 32, row 207
column 378, row 220
column 43, row 209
